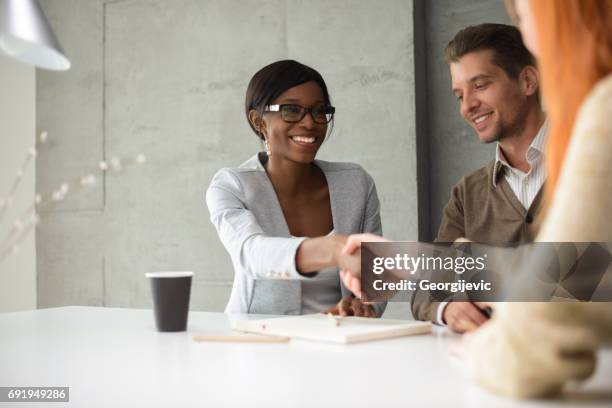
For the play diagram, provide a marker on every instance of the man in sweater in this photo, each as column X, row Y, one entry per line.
column 496, row 85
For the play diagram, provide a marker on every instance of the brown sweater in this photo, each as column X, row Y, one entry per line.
column 481, row 212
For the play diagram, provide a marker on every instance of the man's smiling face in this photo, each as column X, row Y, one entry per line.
column 490, row 101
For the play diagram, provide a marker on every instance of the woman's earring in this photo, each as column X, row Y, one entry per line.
column 267, row 147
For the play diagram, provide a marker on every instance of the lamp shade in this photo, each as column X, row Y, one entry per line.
column 26, row 35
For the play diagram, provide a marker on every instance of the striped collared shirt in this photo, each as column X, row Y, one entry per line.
column 525, row 185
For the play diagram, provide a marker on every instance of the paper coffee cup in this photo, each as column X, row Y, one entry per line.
column 171, row 291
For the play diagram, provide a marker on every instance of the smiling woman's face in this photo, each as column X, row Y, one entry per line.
column 527, row 25
column 300, row 141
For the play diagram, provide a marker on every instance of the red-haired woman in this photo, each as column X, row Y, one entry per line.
column 533, row 349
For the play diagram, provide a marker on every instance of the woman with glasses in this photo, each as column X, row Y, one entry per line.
column 282, row 215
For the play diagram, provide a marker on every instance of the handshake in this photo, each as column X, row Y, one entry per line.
column 344, row 252
column 348, row 258
column 459, row 316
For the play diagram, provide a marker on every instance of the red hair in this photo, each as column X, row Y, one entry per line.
column 575, row 52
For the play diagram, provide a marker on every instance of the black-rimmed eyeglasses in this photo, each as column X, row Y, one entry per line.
column 293, row 113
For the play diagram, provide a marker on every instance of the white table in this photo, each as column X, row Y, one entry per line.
column 116, row 358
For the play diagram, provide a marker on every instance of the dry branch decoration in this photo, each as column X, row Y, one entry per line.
column 31, row 216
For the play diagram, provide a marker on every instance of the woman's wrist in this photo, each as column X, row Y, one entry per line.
column 335, row 245
column 315, row 254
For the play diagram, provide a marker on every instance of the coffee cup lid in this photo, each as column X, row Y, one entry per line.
column 169, row 274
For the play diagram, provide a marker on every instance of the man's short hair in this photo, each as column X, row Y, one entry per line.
column 509, row 52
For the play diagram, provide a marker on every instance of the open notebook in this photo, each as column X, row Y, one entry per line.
column 319, row 327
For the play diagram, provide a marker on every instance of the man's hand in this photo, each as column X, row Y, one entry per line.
column 349, row 262
column 351, row 275
column 352, row 283
column 354, row 241
column 463, row 317
column 350, row 306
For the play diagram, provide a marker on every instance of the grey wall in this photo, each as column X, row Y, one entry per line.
column 168, row 79
column 17, row 117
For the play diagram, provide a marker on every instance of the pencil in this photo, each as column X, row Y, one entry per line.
column 241, row 339
column 335, row 321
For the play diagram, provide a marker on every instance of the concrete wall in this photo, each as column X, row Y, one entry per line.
column 168, row 79
column 17, row 123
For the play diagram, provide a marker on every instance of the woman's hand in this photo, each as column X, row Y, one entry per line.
column 350, row 306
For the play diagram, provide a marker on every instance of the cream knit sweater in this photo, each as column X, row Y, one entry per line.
column 533, row 349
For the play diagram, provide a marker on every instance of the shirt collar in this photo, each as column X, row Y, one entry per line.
column 536, row 149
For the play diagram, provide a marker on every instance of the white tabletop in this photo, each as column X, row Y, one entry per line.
column 116, row 358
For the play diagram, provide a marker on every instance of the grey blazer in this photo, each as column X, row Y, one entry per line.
column 246, row 212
